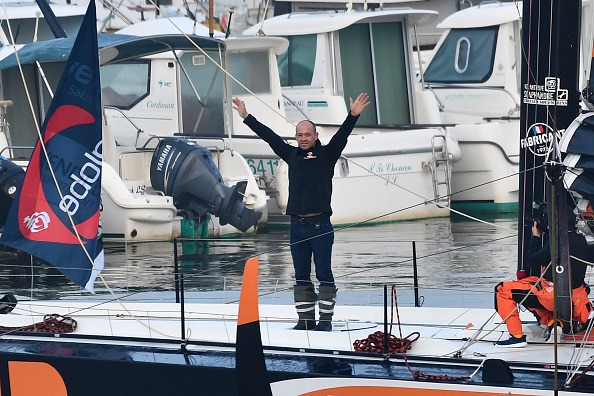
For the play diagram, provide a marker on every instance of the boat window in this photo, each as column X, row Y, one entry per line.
column 202, row 100
column 125, row 84
column 22, row 123
column 252, row 70
column 296, row 66
column 466, row 56
column 462, row 55
column 373, row 60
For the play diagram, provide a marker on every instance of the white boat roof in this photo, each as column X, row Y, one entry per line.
column 278, row 44
column 300, row 23
column 28, row 9
column 490, row 14
column 163, row 26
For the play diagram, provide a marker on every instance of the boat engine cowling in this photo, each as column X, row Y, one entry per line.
column 187, row 172
column 11, row 180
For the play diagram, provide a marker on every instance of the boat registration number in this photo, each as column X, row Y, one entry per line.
column 263, row 167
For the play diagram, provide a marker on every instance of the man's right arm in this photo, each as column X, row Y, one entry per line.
column 278, row 145
column 275, row 142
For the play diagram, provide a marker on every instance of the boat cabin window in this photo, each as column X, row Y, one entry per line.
column 201, row 95
column 252, row 70
column 296, row 66
column 23, row 131
column 466, row 56
column 373, row 60
column 125, row 84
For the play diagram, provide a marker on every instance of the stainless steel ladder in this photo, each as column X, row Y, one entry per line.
column 441, row 171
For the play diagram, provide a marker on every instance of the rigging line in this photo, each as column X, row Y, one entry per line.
column 284, row 246
column 580, row 357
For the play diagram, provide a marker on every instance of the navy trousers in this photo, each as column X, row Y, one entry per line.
column 312, row 237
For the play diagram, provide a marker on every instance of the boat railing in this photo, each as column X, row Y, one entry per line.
column 10, row 150
column 138, row 129
column 212, row 147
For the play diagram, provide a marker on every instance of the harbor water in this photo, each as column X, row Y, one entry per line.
column 458, row 263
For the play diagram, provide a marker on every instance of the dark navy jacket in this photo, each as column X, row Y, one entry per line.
column 311, row 171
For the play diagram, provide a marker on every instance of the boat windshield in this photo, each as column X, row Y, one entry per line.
column 125, row 84
column 253, row 70
column 466, row 56
column 296, row 65
column 201, row 95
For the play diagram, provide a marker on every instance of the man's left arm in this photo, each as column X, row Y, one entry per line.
column 339, row 140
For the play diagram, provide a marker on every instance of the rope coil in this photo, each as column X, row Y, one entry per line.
column 374, row 343
column 52, row 323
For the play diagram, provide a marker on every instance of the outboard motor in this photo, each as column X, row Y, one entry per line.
column 11, row 180
column 186, row 171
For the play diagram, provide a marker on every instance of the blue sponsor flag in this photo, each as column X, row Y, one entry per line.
column 39, row 220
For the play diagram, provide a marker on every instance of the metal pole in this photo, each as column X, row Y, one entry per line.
column 176, row 270
column 415, row 275
column 386, row 320
column 183, row 319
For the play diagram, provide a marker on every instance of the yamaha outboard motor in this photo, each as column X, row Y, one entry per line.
column 186, row 171
column 11, row 180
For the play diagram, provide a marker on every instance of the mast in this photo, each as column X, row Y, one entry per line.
column 550, row 78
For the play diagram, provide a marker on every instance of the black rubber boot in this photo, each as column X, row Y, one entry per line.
column 305, row 303
column 326, row 301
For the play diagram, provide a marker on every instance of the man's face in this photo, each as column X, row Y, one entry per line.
column 306, row 137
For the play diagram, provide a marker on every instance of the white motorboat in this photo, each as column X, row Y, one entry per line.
column 475, row 77
column 132, row 209
column 393, row 167
column 381, row 164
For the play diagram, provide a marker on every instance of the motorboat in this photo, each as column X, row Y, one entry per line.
column 475, row 77
column 132, row 209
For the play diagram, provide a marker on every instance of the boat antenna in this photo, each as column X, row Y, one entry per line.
column 189, row 13
column 261, row 30
column 228, row 32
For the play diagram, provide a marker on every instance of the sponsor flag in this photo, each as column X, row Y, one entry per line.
column 39, row 219
column 536, row 129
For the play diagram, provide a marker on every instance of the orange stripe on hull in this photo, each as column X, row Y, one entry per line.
column 35, row 378
column 248, row 300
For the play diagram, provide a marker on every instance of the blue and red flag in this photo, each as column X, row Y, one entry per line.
column 41, row 218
